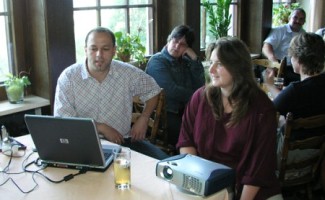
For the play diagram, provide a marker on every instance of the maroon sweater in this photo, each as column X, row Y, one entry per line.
column 249, row 147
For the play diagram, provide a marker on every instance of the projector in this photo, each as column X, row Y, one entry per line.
column 194, row 174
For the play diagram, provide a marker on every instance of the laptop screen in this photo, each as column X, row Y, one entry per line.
column 68, row 141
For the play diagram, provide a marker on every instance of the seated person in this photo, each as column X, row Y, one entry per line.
column 233, row 122
column 306, row 97
column 276, row 45
column 179, row 71
column 103, row 89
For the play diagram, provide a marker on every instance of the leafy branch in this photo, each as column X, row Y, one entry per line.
column 219, row 17
column 282, row 12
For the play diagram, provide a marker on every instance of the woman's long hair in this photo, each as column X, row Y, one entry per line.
column 235, row 57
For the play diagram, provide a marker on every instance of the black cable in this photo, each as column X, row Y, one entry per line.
column 10, row 156
column 6, row 171
column 41, row 167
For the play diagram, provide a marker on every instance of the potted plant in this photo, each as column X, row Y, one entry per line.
column 219, row 17
column 129, row 48
column 15, row 86
column 282, row 12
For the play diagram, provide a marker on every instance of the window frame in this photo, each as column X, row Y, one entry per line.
column 234, row 25
column 9, row 39
column 127, row 6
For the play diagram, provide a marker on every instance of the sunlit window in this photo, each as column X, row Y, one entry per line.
column 118, row 15
column 5, row 40
column 206, row 36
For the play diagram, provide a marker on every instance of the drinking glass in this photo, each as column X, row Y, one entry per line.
column 278, row 82
column 122, row 168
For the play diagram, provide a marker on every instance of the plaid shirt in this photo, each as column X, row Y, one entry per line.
column 110, row 102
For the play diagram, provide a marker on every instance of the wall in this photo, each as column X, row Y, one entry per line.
column 50, row 41
column 172, row 13
column 315, row 15
column 256, row 16
column 37, row 56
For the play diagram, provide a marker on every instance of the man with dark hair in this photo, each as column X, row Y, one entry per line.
column 276, row 45
column 103, row 89
column 178, row 70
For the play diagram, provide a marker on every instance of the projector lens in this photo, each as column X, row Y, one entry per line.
column 168, row 172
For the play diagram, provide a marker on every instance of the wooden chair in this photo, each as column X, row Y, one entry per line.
column 157, row 125
column 307, row 170
column 266, row 63
column 283, row 64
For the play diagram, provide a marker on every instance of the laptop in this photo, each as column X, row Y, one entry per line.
column 69, row 142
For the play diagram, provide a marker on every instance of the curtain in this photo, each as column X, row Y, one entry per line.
column 317, row 18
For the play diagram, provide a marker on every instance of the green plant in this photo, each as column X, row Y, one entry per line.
column 282, row 12
column 219, row 17
column 129, row 47
column 15, row 86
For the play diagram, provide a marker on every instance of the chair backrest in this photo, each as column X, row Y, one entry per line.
column 157, row 125
column 266, row 63
column 309, row 165
column 283, row 64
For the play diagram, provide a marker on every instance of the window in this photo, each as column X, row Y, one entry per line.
column 5, row 40
column 117, row 15
column 281, row 11
column 206, row 35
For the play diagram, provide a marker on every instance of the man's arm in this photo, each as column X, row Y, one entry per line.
column 139, row 128
column 267, row 50
column 109, row 133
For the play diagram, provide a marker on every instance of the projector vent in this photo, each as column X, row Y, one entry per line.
column 192, row 184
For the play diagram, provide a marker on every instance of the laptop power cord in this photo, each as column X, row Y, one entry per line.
column 71, row 176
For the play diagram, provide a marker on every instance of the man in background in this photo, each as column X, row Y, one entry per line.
column 177, row 69
column 276, row 45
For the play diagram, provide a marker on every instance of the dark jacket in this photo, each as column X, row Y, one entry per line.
column 179, row 78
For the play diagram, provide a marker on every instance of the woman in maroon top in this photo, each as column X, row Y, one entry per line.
column 233, row 122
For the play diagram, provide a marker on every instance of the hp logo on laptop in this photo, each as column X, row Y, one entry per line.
column 64, row 141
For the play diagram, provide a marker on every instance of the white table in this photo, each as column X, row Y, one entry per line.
column 94, row 185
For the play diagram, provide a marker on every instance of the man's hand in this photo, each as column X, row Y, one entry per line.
column 139, row 128
column 190, row 53
column 110, row 133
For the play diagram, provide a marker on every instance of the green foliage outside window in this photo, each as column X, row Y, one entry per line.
column 129, row 47
column 219, row 17
column 282, row 12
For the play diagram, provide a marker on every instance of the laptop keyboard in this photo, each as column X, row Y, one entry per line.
column 106, row 155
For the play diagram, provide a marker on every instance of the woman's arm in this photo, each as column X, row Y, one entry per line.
column 249, row 192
